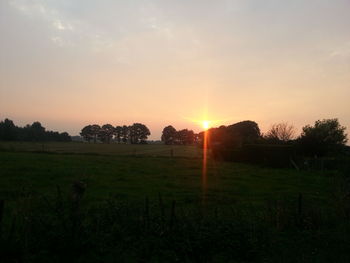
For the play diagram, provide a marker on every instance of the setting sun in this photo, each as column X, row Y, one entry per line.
column 205, row 125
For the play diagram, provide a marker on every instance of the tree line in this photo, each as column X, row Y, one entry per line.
column 227, row 135
column 182, row 137
column 324, row 137
column 134, row 134
column 34, row 132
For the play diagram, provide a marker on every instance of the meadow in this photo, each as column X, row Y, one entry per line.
column 140, row 171
column 149, row 203
column 155, row 150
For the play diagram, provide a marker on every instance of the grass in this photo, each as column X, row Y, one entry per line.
column 140, row 176
column 155, row 150
column 128, row 211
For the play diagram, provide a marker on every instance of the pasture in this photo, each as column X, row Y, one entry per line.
column 152, row 205
column 154, row 150
column 140, row 171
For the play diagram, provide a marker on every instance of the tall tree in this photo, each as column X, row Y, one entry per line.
column 243, row 132
column 87, row 133
column 169, row 135
column 118, row 133
column 106, row 133
column 139, row 133
column 185, row 136
column 125, row 134
column 37, row 131
column 281, row 132
column 324, row 137
column 95, row 129
column 8, row 130
column 217, row 136
column 144, row 133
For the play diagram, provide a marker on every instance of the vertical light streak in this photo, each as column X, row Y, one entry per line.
column 204, row 168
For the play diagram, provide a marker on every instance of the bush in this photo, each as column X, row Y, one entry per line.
column 326, row 137
column 263, row 154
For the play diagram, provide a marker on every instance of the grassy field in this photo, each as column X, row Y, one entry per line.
column 115, row 170
column 242, row 213
column 154, row 150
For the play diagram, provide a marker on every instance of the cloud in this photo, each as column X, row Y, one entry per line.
column 341, row 52
column 58, row 24
column 87, row 29
column 129, row 32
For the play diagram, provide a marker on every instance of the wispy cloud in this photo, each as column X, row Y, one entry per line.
column 61, row 25
column 341, row 52
column 128, row 38
column 97, row 33
column 58, row 24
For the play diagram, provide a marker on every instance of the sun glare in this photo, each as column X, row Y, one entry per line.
column 205, row 125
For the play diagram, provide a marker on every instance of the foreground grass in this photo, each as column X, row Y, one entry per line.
column 135, row 178
column 153, row 208
column 61, row 230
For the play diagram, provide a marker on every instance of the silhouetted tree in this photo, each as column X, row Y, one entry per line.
column 125, row 134
column 118, row 133
column 169, row 135
column 197, row 138
column 35, row 132
column 8, row 130
column 324, row 137
column 87, row 133
column 244, row 132
column 280, row 132
column 64, row 137
column 235, row 135
column 185, row 137
column 217, row 136
column 95, row 129
column 138, row 133
column 106, row 133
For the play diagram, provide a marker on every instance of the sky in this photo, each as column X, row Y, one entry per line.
column 69, row 63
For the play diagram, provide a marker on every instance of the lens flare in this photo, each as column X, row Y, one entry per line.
column 204, row 166
column 205, row 125
column 205, row 122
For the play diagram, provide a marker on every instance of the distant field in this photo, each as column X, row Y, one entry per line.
column 103, row 149
column 136, row 172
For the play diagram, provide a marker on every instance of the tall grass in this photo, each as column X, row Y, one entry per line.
column 65, row 229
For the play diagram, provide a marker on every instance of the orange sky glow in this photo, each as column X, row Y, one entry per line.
column 174, row 63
